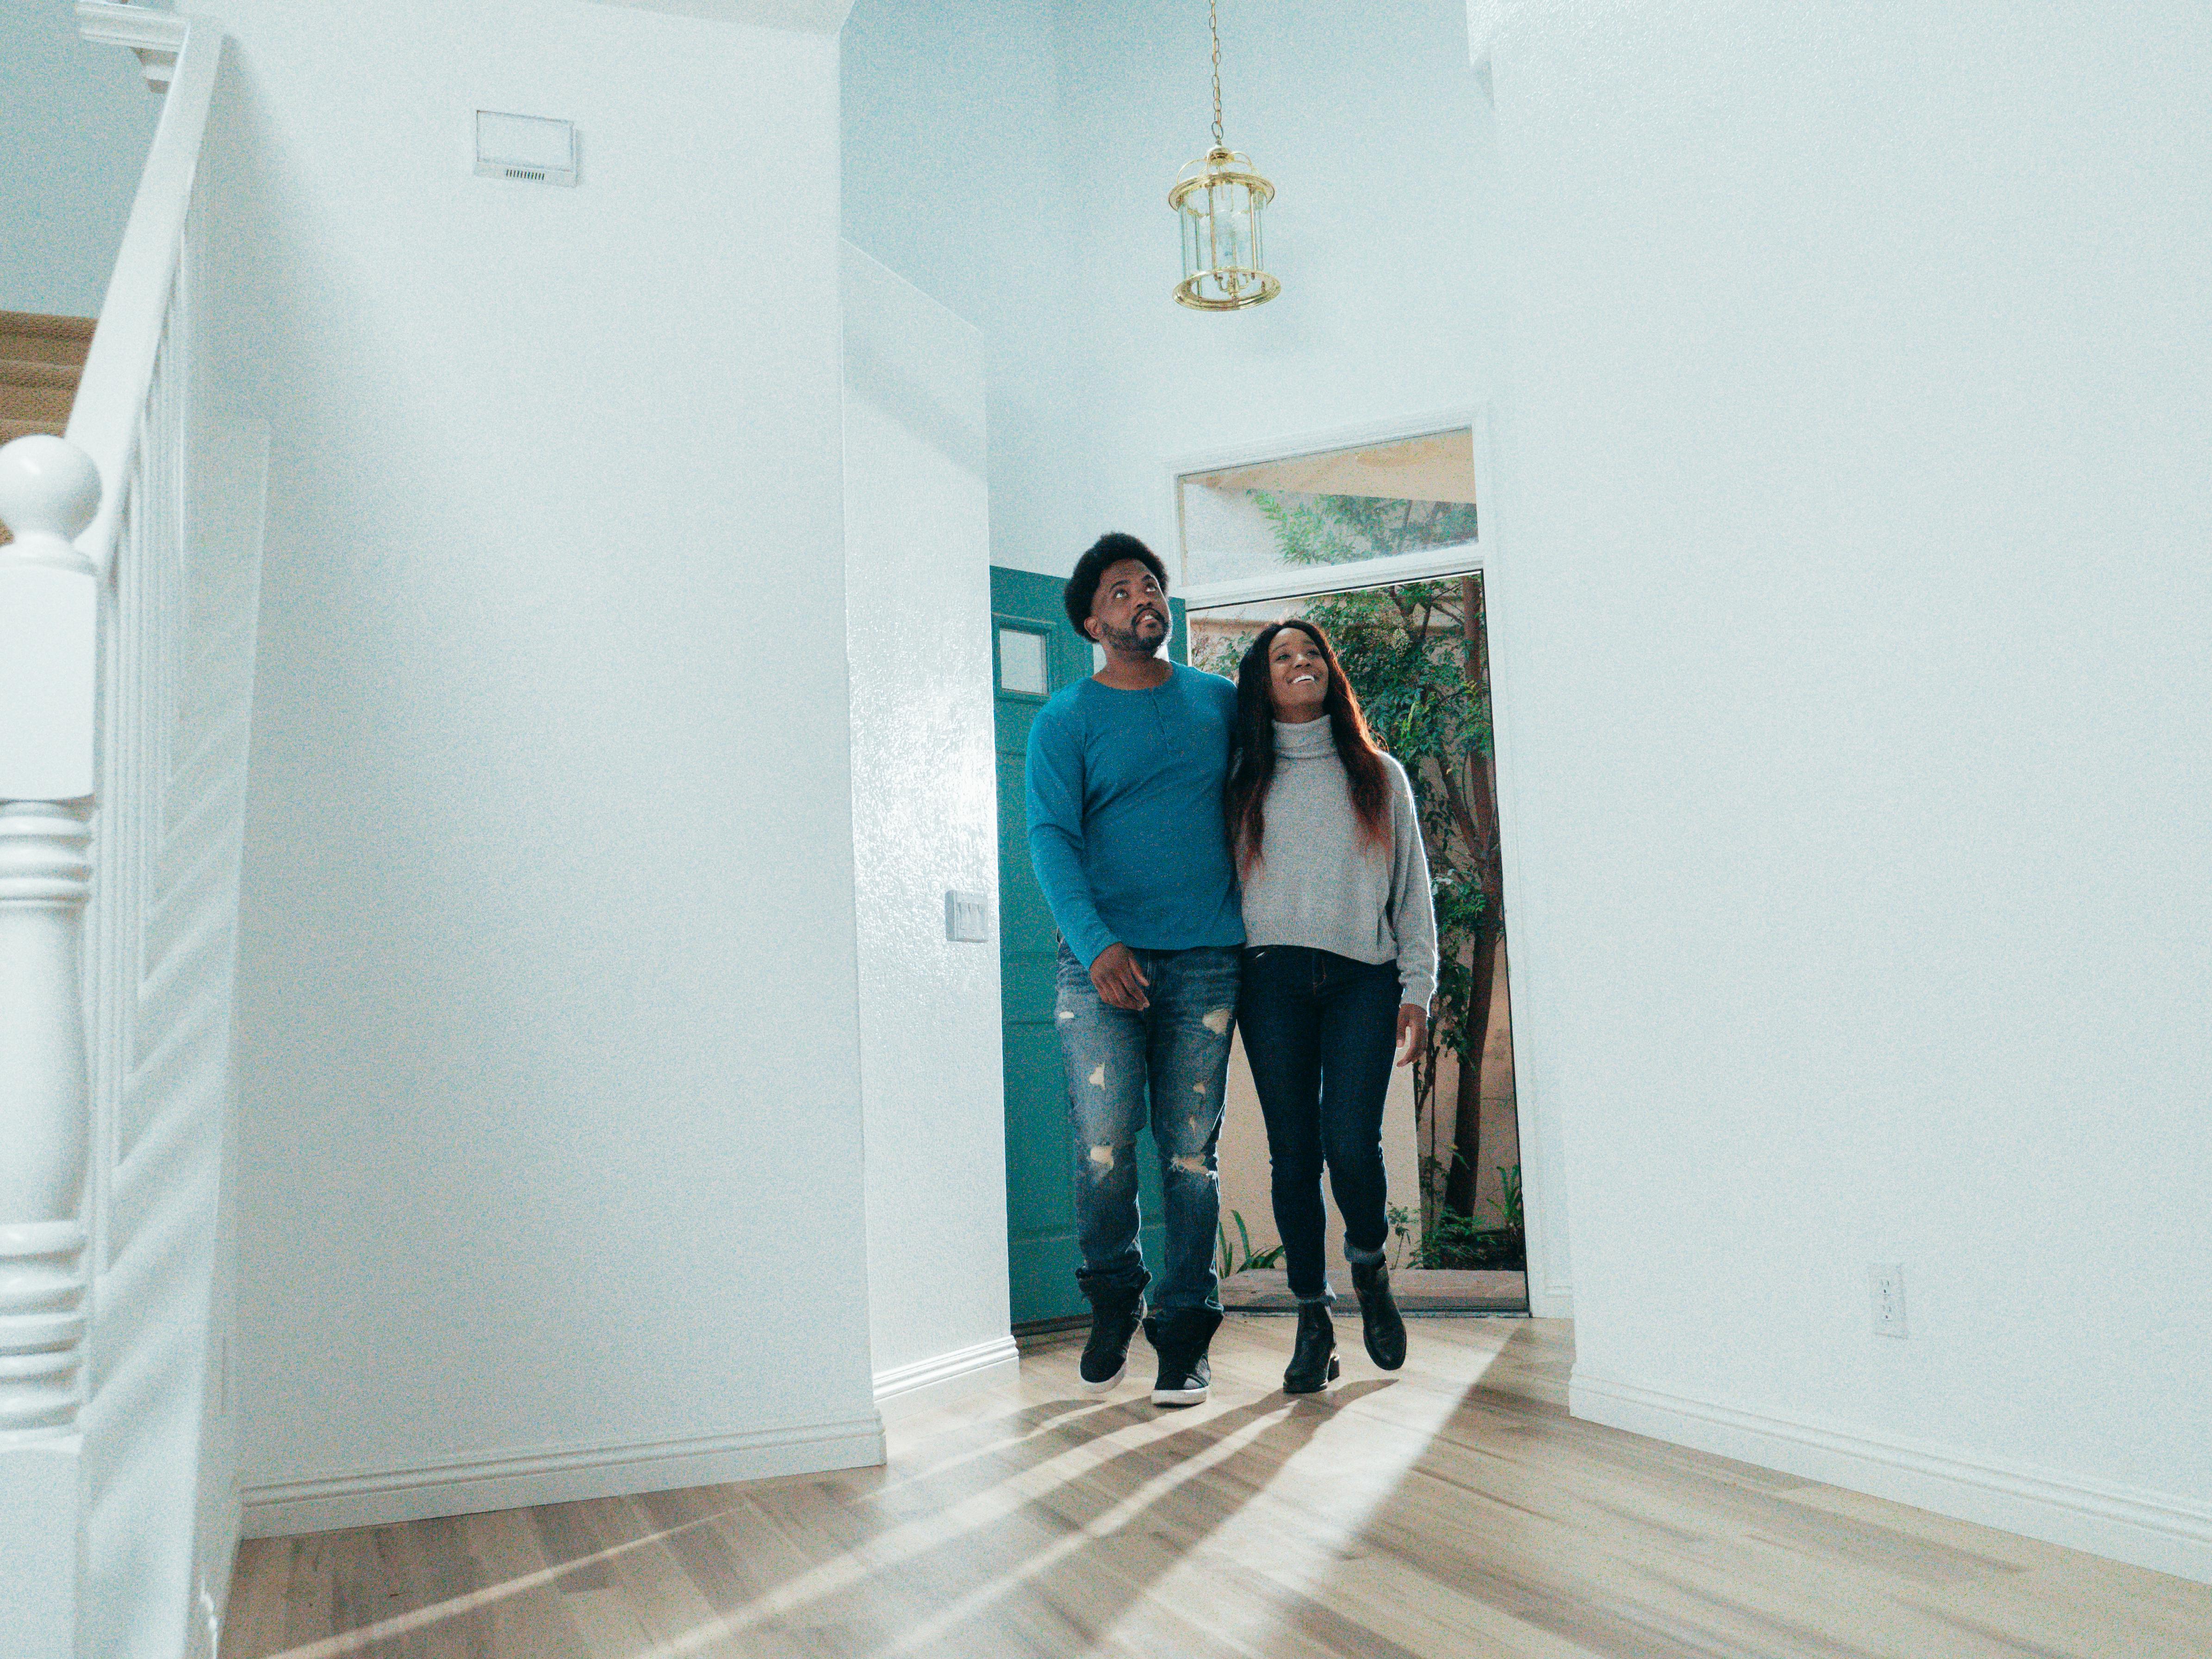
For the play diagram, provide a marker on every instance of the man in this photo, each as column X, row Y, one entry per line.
column 1127, row 834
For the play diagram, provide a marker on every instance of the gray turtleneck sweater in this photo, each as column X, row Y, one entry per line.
column 1317, row 883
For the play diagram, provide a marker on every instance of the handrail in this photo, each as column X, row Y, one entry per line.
column 105, row 419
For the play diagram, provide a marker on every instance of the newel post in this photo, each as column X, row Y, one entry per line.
column 49, row 639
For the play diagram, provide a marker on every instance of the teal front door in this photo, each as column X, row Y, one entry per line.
column 1037, row 653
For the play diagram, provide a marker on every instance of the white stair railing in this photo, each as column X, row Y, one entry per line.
column 127, row 614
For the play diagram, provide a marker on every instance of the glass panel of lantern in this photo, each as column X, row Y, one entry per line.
column 1221, row 248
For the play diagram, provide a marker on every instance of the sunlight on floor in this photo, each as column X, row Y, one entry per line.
column 1369, row 1437
column 1447, row 1509
column 1337, row 1456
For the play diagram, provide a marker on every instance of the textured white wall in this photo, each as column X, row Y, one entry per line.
column 548, row 1163
column 924, row 818
column 75, row 122
column 1857, row 456
column 952, row 158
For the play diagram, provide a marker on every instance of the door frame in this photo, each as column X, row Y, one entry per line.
column 1543, row 1175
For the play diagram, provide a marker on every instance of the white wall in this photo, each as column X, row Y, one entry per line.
column 1857, row 456
column 549, row 1161
column 76, row 120
column 1013, row 160
column 924, row 819
column 1368, row 120
column 952, row 154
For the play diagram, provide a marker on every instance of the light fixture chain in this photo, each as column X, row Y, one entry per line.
column 1214, row 22
column 1218, row 198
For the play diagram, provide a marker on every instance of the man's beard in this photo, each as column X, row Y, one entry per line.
column 1127, row 642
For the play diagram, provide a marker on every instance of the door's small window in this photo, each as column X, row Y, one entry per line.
column 1022, row 662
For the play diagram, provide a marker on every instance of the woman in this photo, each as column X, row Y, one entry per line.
column 1340, row 963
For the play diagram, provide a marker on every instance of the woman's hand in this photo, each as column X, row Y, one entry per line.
column 1413, row 1032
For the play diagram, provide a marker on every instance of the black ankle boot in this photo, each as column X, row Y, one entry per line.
column 1313, row 1364
column 1378, row 1315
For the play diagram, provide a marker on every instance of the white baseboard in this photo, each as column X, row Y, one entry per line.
column 1550, row 1300
column 2147, row 1529
column 471, row 1486
column 905, row 1389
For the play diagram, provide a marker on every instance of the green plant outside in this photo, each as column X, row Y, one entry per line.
column 1456, row 1240
column 1227, row 1263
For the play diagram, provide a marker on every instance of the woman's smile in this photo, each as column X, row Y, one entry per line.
column 1298, row 676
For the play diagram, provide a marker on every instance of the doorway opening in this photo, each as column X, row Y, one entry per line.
column 1379, row 543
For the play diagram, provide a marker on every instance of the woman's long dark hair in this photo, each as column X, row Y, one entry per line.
column 1252, row 767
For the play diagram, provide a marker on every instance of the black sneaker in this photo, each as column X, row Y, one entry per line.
column 1181, row 1340
column 1114, row 1317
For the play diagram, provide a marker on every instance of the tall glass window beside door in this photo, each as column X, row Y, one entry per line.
column 1380, row 541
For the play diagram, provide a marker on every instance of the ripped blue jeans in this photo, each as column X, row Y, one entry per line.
column 1166, row 1065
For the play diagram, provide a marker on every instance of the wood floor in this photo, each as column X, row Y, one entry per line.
column 1452, row 1509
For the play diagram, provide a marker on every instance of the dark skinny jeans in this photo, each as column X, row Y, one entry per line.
column 1320, row 1030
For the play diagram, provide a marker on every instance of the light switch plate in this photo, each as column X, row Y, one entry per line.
column 966, row 917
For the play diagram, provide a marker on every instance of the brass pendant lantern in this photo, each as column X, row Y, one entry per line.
column 1218, row 198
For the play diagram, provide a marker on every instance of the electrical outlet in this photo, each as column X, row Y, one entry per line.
column 1885, row 1284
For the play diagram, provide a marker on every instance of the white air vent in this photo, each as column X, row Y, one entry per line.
column 528, row 148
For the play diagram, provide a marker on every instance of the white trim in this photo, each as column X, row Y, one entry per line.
column 2149, row 1530
column 1299, row 581
column 1296, row 445
column 468, row 1486
column 156, row 36
column 107, row 23
column 1543, row 1185
column 111, row 394
column 1548, row 1297
column 905, row 1389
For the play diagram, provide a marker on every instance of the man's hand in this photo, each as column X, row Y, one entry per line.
column 1120, row 982
column 1412, row 1032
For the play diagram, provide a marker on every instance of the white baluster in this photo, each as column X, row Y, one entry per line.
column 49, row 616
column 45, row 878
column 49, row 652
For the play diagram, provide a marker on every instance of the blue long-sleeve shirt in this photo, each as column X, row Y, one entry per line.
column 1126, row 830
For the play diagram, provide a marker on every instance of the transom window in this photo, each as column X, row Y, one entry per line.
column 1355, row 515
